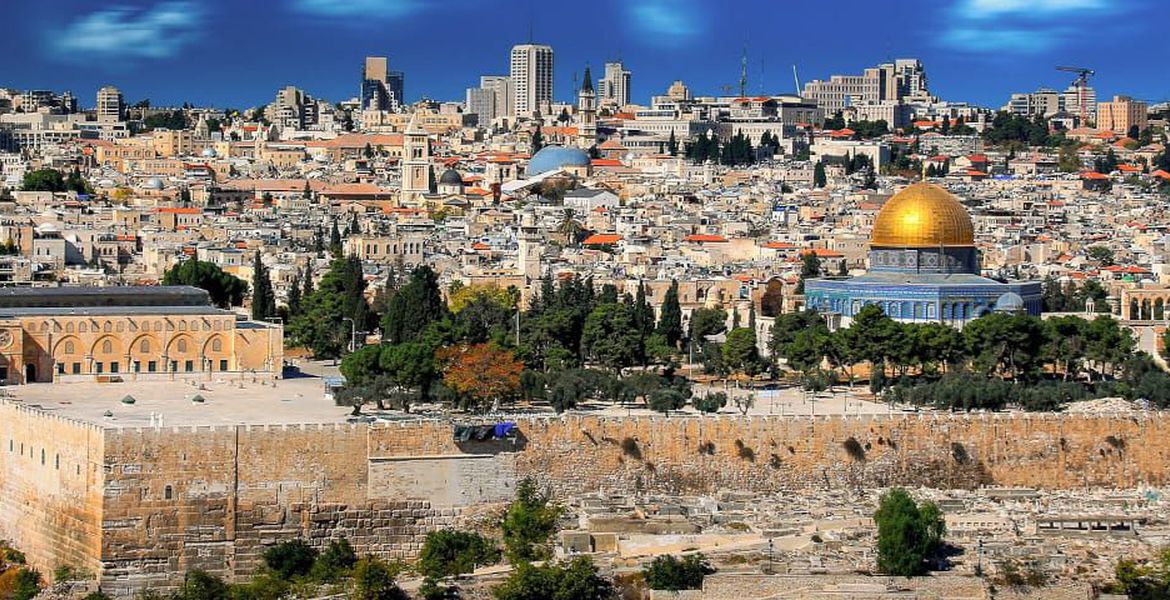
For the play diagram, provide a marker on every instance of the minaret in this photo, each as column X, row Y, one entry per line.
column 586, row 113
column 416, row 152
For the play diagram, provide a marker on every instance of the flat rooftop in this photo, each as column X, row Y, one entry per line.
column 231, row 400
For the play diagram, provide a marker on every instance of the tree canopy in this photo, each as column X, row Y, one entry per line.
column 225, row 289
column 908, row 533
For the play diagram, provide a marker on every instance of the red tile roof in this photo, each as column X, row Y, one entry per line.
column 601, row 239
column 704, row 237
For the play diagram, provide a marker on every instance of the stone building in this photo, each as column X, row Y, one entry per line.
column 83, row 333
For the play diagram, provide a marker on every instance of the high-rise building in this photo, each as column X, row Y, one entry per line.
column 532, row 78
column 293, row 108
column 381, row 88
column 1074, row 96
column 1122, row 113
column 889, row 82
column 111, row 107
column 482, row 103
column 615, row 86
column 678, row 91
column 501, row 88
column 1043, row 102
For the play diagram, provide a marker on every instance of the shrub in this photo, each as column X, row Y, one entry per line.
column 337, row 559
column 908, row 533
column 201, row 585
column 374, row 579
column 577, row 579
column 528, row 523
column 853, row 449
column 711, row 403
column 630, row 448
column 290, row 559
column 672, row 574
column 450, row 552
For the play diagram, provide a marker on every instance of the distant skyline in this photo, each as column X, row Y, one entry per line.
column 227, row 53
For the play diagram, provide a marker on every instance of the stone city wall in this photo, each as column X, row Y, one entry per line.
column 51, row 481
column 177, row 498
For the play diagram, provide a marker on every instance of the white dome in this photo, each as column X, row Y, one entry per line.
column 154, row 183
column 209, row 153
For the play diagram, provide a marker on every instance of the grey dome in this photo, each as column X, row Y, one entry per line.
column 1009, row 302
column 450, row 177
column 551, row 158
column 154, row 183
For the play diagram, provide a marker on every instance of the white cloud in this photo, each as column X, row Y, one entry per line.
column 128, row 34
column 665, row 21
column 1020, row 26
column 359, row 9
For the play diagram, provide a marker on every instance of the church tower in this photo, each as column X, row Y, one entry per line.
column 416, row 163
column 586, row 113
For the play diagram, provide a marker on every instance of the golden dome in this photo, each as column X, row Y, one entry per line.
column 923, row 216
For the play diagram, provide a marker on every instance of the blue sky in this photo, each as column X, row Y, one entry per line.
column 239, row 52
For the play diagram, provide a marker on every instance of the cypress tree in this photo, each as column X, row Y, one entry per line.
column 819, row 177
column 670, row 321
column 415, row 306
column 643, row 313
column 294, row 296
column 307, row 282
column 263, row 299
column 335, row 240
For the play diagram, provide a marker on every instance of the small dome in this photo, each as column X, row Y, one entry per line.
column 154, row 183
column 923, row 216
column 450, row 177
column 1009, row 302
column 208, row 153
column 551, row 158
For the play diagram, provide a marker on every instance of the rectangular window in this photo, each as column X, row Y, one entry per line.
column 223, row 365
column 151, row 366
column 189, row 366
column 114, row 367
column 76, row 368
column 60, row 368
column 137, row 366
column 98, row 367
column 174, row 366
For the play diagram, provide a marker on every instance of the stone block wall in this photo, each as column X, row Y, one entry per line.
column 51, row 481
column 156, row 502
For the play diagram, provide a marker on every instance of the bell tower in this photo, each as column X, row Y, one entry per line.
column 416, row 162
column 586, row 113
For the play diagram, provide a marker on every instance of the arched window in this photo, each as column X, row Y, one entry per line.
column 144, row 346
column 107, row 346
column 182, row 326
column 168, row 493
column 68, row 347
column 217, row 345
column 82, row 327
column 69, row 328
column 106, row 327
column 181, row 345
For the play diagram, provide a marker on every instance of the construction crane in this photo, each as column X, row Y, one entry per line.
column 1082, row 84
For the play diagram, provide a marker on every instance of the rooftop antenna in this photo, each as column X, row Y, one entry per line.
column 743, row 80
column 760, row 84
column 531, row 17
column 796, row 79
